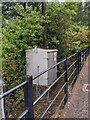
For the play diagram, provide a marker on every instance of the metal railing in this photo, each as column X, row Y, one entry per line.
column 77, row 65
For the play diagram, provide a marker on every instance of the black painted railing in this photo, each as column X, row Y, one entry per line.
column 76, row 66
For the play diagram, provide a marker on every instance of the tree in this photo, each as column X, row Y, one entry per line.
column 60, row 19
column 24, row 30
column 18, row 35
column 45, row 43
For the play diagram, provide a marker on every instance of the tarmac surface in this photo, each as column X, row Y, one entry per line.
column 78, row 105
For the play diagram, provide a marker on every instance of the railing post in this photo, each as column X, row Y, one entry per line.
column 88, row 49
column 78, row 61
column 85, row 53
column 65, row 80
column 2, row 104
column 83, row 57
column 76, row 64
column 28, row 97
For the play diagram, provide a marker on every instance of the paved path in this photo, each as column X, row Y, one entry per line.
column 79, row 102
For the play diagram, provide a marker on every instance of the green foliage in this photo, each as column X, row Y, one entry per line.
column 19, row 35
column 77, row 37
column 25, row 30
column 61, row 18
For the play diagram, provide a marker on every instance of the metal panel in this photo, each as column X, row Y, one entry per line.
column 38, row 61
column 52, row 74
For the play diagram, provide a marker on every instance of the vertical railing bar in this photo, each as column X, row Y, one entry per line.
column 85, row 54
column 65, row 81
column 28, row 97
column 76, row 64
column 82, row 56
column 78, row 60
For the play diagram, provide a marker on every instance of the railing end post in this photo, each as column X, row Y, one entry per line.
column 28, row 97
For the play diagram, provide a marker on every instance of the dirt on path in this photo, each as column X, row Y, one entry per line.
column 77, row 105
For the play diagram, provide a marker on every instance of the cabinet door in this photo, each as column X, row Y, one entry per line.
column 42, row 63
column 52, row 74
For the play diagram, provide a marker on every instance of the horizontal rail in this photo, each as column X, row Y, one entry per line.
column 47, row 70
column 49, row 88
column 72, row 82
column 72, row 74
column 23, row 114
column 12, row 90
column 53, row 101
column 59, row 106
column 82, row 50
column 81, row 56
column 86, row 50
column 72, row 64
column 71, row 56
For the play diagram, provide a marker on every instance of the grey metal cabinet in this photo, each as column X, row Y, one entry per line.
column 38, row 60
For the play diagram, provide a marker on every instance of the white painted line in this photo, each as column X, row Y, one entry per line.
column 85, row 88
